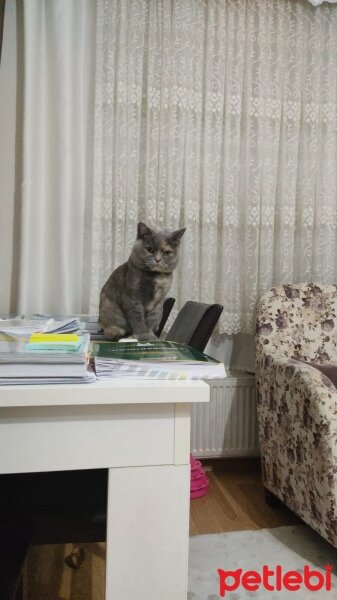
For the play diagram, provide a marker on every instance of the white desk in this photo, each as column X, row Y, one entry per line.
column 140, row 431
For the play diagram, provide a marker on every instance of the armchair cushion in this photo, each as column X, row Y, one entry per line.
column 329, row 370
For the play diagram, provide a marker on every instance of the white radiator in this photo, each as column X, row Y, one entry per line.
column 227, row 426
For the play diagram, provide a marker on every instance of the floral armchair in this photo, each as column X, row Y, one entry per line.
column 297, row 403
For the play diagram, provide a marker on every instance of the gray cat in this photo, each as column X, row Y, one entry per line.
column 131, row 300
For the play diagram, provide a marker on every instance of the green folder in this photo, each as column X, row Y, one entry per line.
column 153, row 351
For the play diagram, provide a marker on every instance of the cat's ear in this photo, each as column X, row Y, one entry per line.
column 176, row 236
column 142, row 230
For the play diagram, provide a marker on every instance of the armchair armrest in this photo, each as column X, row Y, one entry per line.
column 297, row 411
column 300, row 380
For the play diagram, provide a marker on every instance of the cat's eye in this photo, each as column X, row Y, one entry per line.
column 149, row 249
column 168, row 252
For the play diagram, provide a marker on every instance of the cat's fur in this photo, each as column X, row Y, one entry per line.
column 131, row 300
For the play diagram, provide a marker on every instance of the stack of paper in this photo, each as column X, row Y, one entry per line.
column 59, row 342
column 89, row 377
column 46, row 360
column 17, row 328
column 83, row 322
column 22, row 328
column 153, row 360
column 65, row 326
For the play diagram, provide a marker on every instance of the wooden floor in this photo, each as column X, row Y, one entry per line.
column 235, row 501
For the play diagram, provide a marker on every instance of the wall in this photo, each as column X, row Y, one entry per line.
column 236, row 351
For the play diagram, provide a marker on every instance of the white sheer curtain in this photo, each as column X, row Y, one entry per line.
column 54, row 152
column 219, row 115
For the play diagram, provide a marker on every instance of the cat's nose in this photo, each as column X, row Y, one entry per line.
column 157, row 259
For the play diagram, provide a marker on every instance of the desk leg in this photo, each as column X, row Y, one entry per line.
column 147, row 533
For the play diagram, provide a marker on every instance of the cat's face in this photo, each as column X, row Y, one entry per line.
column 156, row 250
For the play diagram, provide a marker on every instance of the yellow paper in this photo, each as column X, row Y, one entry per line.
column 53, row 337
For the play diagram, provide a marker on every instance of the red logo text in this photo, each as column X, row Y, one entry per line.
column 276, row 579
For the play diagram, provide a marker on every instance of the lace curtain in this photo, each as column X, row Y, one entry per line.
column 220, row 116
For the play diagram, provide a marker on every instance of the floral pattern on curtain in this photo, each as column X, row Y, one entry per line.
column 219, row 115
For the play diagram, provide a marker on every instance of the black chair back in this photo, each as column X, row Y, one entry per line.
column 194, row 324
column 167, row 307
